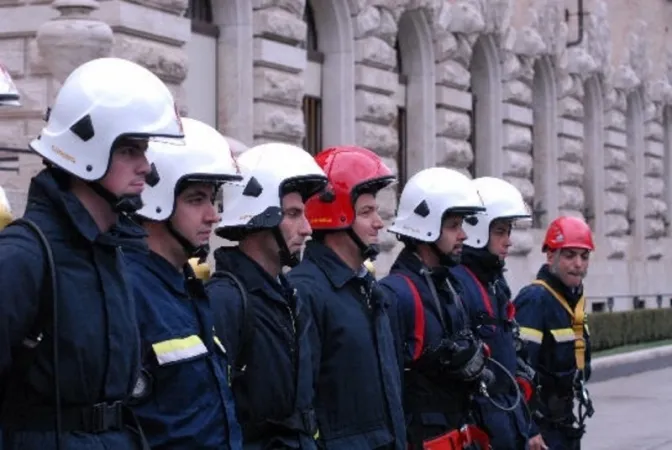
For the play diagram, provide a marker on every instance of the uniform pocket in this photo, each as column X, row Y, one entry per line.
column 182, row 373
column 564, row 339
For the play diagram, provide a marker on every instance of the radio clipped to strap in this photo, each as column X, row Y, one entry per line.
column 578, row 316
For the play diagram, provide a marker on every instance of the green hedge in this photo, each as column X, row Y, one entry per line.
column 609, row 330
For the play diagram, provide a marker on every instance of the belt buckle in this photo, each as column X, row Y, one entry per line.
column 106, row 416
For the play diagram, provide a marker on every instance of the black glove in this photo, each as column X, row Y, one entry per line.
column 467, row 360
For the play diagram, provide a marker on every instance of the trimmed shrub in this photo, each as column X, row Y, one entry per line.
column 616, row 329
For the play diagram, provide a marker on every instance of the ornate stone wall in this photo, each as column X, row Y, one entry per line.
column 578, row 130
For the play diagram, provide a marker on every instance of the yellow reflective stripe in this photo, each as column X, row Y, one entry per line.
column 219, row 344
column 180, row 349
column 563, row 335
column 578, row 315
column 532, row 335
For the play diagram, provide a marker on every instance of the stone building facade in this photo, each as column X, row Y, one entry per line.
column 578, row 117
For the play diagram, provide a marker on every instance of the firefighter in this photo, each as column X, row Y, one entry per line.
column 69, row 341
column 488, row 299
column 551, row 314
column 262, row 320
column 183, row 398
column 444, row 360
column 358, row 388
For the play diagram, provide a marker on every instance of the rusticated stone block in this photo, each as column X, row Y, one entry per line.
column 570, row 173
column 518, row 164
column 615, row 158
column 278, row 122
column 571, row 107
column 570, row 149
column 453, row 124
column 517, row 92
column 375, row 108
column 615, row 224
column 615, row 202
column 375, row 52
column 293, row 6
column 571, row 198
column 654, row 187
column 616, row 247
column 279, row 22
column 453, row 153
column 524, row 185
column 278, row 86
column 452, row 73
column 166, row 61
column 615, row 180
column 376, row 80
column 379, row 138
column 654, row 166
column 517, row 137
column 614, row 119
column 522, row 242
column 446, row 47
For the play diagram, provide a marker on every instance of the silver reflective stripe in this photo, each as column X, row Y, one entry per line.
column 180, row 349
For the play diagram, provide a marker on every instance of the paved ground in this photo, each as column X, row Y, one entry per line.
column 633, row 412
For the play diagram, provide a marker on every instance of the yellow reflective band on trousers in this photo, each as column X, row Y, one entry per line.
column 175, row 350
column 578, row 316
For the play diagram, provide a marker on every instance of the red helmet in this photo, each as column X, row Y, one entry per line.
column 351, row 171
column 568, row 232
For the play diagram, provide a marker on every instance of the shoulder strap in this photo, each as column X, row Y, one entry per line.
column 419, row 314
column 247, row 329
column 484, row 294
column 47, row 310
column 578, row 315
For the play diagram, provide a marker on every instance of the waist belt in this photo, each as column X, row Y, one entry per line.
column 304, row 422
column 97, row 418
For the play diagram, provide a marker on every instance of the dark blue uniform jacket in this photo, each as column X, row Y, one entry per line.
column 274, row 393
column 99, row 345
column 184, row 401
column 358, row 398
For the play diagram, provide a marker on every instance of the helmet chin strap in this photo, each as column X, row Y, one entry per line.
column 124, row 204
column 370, row 251
column 197, row 251
column 446, row 260
column 286, row 258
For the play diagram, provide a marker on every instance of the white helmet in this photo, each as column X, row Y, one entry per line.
column 270, row 171
column 5, row 210
column 502, row 200
column 205, row 157
column 428, row 196
column 99, row 102
column 9, row 95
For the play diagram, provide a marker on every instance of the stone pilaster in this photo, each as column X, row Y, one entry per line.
column 279, row 63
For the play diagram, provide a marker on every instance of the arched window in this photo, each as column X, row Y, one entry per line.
column 544, row 144
column 635, row 151
column 415, row 96
column 486, row 109
column 201, row 82
column 593, row 154
column 312, row 100
column 202, row 18
column 401, row 123
column 667, row 131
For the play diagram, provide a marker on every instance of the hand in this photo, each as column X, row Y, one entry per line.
column 537, row 443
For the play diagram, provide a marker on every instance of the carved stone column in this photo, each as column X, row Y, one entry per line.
column 73, row 38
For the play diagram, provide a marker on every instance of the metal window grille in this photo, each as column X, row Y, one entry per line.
column 312, row 115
